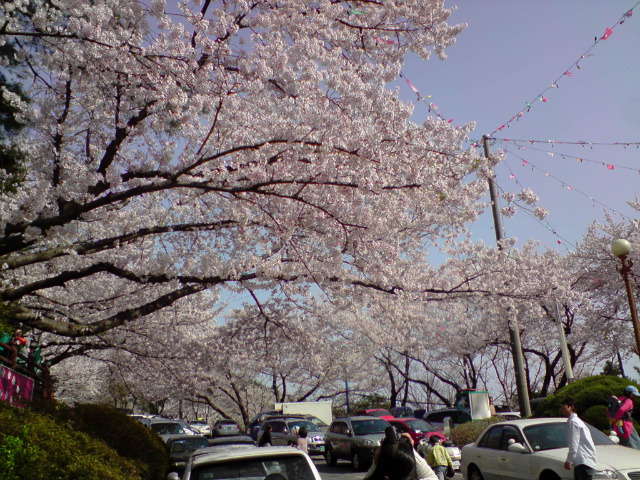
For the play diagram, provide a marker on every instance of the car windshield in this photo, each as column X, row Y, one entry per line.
column 168, row 428
column 548, row 436
column 317, row 422
column 367, row 427
column 189, row 444
column 289, row 467
column 420, row 425
column 306, row 424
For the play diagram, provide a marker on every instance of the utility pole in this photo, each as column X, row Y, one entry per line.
column 514, row 331
column 566, row 358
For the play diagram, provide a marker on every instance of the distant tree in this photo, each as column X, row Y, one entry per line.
column 611, row 369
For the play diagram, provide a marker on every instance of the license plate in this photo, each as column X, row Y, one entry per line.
column 321, row 448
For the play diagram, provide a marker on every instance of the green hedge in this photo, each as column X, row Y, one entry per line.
column 126, row 435
column 37, row 447
column 591, row 395
column 468, row 432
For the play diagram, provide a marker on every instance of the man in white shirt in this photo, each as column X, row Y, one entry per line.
column 582, row 451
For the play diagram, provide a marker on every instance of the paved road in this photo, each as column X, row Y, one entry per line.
column 343, row 471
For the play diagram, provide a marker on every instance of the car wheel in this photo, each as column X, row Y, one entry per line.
column 549, row 476
column 474, row 474
column 330, row 458
column 356, row 462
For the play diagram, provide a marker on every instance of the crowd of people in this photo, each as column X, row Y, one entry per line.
column 397, row 459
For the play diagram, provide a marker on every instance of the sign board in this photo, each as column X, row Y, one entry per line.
column 15, row 388
column 479, row 405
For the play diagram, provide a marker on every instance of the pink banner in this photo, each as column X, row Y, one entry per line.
column 15, row 388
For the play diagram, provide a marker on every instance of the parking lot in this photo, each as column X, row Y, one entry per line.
column 344, row 471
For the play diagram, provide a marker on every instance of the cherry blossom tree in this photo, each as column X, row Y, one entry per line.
column 222, row 146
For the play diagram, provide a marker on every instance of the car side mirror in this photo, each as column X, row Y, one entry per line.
column 518, row 448
column 173, row 476
column 349, row 433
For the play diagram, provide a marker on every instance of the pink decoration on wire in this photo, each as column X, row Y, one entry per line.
column 512, row 177
column 524, row 162
column 568, row 73
column 382, row 40
column 610, row 167
column 412, row 86
column 607, row 34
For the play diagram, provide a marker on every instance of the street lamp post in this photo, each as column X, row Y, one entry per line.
column 621, row 248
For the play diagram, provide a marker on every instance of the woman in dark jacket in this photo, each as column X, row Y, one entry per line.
column 265, row 439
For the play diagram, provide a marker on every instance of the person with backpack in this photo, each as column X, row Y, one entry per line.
column 626, row 432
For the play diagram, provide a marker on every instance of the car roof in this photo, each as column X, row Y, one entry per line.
column 360, row 417
column 442, row 410
column 183, row 436
column 163, row 420
column 287, row 417
column 232, row 440
column 525, row 422
column 240, row 452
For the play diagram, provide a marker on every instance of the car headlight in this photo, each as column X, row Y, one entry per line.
column 369, row 443
column 606, row 475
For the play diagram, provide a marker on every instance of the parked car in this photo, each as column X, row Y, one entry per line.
column 181, row 447
column 508, row 415
column 421, row 431
column 355, row 439
column 224, row 427
column 377, row 412
column 283, row 432
column 166, row 427
column 534, row 449
column 436, row 417
column 201, row 426
column 418, row 429
column 233, row 440
column 254, row 425
column 268, row 463
column 402, row 412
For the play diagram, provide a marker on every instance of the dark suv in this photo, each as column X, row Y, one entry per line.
column 355, row 439
column 436, row 417
column 284, row 428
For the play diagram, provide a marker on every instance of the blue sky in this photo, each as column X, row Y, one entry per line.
column 511, row 52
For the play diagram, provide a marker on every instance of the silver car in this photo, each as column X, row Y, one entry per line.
column 355, row 439
column 225, row 427
column 269, row 463
column 283, row 432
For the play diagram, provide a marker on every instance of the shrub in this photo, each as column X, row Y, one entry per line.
column 35, row 446
column 591, row 395
column 124, row 434
column 468, row 432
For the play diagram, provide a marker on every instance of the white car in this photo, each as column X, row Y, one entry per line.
column 536, row 449
column 202, row 427
column 250, row 463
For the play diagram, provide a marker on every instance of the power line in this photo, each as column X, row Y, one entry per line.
column 540, row 97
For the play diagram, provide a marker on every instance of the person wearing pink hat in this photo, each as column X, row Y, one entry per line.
column 628, row 435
